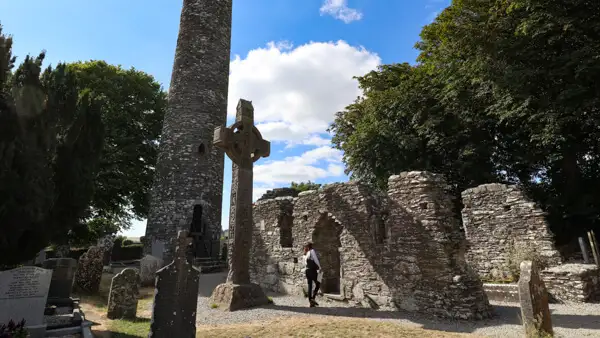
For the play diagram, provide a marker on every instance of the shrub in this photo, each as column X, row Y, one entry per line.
column 520, row 252
column 127, row 242
column 12, row 330
column 127, row 252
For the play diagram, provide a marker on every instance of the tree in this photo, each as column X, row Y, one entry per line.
column 50, row 141
column 305, row 186
column 503, row 92
column 133, row 111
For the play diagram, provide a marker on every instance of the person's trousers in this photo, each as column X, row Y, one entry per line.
column 311, row 277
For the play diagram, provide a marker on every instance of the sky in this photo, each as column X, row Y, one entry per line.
column 295, row 60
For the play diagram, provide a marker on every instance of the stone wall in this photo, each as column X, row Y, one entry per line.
column 573, row 283
column 501, row 225
column 400, row 250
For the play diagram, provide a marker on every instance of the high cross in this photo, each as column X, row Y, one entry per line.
column 244, row 145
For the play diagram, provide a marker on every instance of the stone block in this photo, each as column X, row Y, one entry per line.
column 232, row 297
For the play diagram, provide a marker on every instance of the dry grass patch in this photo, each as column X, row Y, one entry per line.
column 320, row 327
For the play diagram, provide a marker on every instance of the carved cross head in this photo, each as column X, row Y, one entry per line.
column 183, row 241
column 242, row 141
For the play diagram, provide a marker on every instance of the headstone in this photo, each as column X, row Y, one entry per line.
column 176, row 295
column 106, row 243
column 244, row 145
column 533, row 297
column 40, row 257
column 23, row 294
column 89, row 271
column 149, row 265
column 158, row 248
column 62, row 276
column 123, row 296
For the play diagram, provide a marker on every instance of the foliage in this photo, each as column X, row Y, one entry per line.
column 305, row 186
column 504, row 91
column 12, row 330
column 133, row 111
column 51, row 136
column 518, row 253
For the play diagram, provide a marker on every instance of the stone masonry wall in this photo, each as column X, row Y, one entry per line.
column 499, row 222
column 402, row 250
column 573, row 283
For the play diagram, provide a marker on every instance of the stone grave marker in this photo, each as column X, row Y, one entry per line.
column 40, row 257
column 244, row 145
column 123, row 296
column 533, row 297
column 176, row 295
column 23, row 295
column 158, row 248
column 89, row 271
column 62, row 277
column 149, row 265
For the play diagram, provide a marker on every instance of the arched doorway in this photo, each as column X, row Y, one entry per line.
column 326, row 241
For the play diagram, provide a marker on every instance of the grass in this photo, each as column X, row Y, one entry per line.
column 320, row 327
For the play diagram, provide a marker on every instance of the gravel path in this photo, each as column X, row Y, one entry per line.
column 580, row 320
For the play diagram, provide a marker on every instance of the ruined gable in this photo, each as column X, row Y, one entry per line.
column 500, row 224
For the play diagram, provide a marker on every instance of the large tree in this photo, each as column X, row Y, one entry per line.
column 504, row 91
column 51, row 137
column 133, row 111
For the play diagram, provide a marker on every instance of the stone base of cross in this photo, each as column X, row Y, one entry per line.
column 244, row 145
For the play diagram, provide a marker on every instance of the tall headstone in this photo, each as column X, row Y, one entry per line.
column 176, row 295
column 244, row 145
column 89, row 271
column 63, row 273
column 123, row 295
column 23, row 295
column 533, row 297
column 189, row 170
column 149, row 265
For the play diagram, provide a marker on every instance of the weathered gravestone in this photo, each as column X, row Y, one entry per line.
column 158, row 248
column 176, row 295
column 533, row 297
column 106, row 243
column 123, row 296
column 89, row 271
column 149, row 265
column 244, row 145
column 40, row 257
column 23, row 294
column 62, row 277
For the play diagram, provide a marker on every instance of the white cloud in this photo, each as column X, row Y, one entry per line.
column 339, row 9
column 319, row 163
column 297, row 91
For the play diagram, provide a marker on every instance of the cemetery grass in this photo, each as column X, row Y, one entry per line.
column 321, row 327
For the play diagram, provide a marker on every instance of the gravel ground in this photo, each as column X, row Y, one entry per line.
column 580, row 320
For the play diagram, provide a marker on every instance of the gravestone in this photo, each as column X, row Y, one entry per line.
column 149, row 265
column 533, row 297
column 158, row 248
column 244, row 145
column 62, row 277
column 23, row 295
column 89, row 271
column 40, row 257
column 176, row 295
column 123, row 296
column 106, row 243
column 62, row 251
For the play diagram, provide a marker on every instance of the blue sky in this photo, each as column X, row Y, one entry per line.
column 294, row 59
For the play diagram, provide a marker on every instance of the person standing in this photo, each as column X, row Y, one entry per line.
column 312, row 272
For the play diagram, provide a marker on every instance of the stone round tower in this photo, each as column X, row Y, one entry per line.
column 188, row 186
